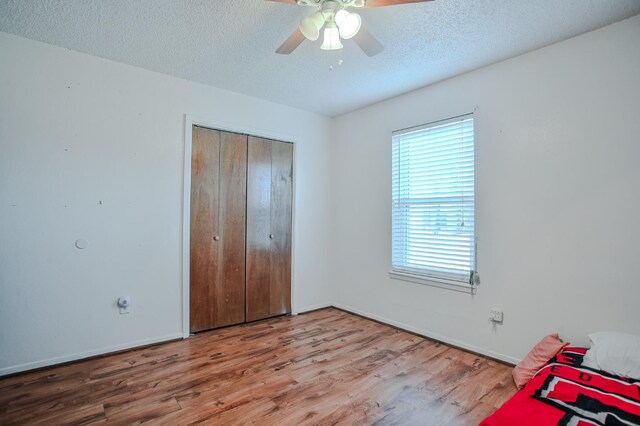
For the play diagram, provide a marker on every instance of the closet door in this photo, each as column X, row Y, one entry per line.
column 269, row 197
column 218, row 212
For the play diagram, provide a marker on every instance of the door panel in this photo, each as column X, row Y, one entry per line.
column 258, row 228
column 230, row 289
column 269, row 194
column 281, row 197
column 218, row 206
column 205, row 161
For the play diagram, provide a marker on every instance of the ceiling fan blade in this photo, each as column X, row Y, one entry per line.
column 368, row 43
column 291, row 43
column 284, row 1
column 381, row 3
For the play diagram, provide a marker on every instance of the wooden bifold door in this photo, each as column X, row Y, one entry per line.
column 241, row 195
column 268, row 228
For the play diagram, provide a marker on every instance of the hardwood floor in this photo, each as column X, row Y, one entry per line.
column 324, row 367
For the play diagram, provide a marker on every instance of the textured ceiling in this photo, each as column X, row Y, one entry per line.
column 230, row 44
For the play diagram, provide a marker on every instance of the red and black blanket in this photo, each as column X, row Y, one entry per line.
column 564, row 392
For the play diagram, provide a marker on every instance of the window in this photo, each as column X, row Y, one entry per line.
column 433, row 235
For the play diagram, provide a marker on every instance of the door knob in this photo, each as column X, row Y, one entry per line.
column 216, row 238
column 271, row 236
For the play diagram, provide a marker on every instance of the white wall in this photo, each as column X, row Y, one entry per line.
column 93, row 149
column 558, row 191
column 558, row 196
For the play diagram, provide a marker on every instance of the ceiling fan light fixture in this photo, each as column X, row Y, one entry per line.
column 331, row 38
column 349, row 23
column 310, row 26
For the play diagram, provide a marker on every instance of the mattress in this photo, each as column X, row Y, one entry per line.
column 564, row 392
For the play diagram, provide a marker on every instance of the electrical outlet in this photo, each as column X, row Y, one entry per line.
column 124, row 304
column 495, row 315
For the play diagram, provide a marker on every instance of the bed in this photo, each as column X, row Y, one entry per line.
column 564, row 392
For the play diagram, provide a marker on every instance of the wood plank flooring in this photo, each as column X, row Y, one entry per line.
column 326, row 367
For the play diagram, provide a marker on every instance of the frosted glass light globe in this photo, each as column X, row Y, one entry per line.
column 310, row 26
column 331, row 38
column 348, row 23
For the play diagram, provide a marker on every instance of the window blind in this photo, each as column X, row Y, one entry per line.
column 433, row 200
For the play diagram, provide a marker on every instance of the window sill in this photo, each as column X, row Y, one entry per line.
column 432, row 281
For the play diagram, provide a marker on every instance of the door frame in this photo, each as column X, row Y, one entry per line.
column 189, row 122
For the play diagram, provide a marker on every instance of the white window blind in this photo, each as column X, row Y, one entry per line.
column 433, row 200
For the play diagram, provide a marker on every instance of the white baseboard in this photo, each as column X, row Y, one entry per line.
column 81, row 355
column 312, row 308
column 426, row 333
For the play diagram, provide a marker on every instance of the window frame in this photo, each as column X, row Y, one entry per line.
column 431, row 278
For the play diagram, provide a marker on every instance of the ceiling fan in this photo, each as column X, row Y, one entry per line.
column 338, row 24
